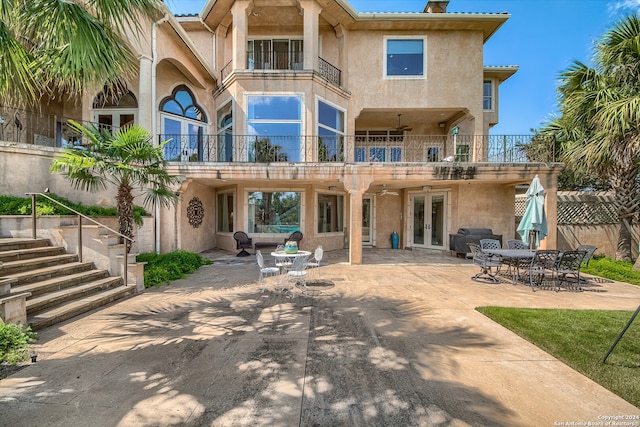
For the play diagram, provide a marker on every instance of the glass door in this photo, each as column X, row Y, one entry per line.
column 367, row 221
column 428, row 225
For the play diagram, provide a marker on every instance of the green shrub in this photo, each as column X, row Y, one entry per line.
column 15, row 342
column 615, row 270
column 162, row 269
column 11, row 205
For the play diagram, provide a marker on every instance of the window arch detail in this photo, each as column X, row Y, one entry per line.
column 182, row 103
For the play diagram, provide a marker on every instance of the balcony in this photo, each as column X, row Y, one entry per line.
column 346, row 149
column 292, row 61
column 41, row 129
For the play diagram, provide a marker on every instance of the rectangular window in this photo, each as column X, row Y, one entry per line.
column 487, row 95
column 274, row 212
column 225, row 212
column 404, row 57
column 275, row 54
column 330, row 213
column 274, row 125
column 330, row 133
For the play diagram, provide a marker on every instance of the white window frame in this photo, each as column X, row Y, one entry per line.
column 424, row 58
column 344, row 119
column 316, row 209
column 302, row 121
column 491, row 97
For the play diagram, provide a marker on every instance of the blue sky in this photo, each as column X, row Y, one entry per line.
column 542, row 37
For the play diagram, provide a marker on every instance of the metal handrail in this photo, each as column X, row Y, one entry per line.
column 80, row 216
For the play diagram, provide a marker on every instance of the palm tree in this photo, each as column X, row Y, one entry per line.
column 600, row 120
column 52, row 47
column 128, row 160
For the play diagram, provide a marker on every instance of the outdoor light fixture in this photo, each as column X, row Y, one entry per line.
column 333, row 188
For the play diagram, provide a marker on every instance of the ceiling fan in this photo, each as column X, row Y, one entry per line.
column 385, row 192
column 401, row 127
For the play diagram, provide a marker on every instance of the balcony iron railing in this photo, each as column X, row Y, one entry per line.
column 349, row 148
column 38, row 128
column 275, row 60
column 330, row 72
column 41, row 129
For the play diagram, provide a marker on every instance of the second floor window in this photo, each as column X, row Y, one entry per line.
column 404, row 57
column 274, row 125
column 276, row 54
column 330, row 133
column 487, row 95
column 182, row 122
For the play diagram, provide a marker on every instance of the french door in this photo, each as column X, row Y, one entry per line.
column 428, row 224
column 367, row 220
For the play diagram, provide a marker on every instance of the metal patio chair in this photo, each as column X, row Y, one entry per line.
column 265, row 271
column 543, row 268
column 568, row 269
column 486, row 262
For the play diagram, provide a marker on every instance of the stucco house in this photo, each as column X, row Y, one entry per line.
column 284, row 115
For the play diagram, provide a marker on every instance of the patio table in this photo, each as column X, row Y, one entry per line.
column 281, row 255
column 516, row 254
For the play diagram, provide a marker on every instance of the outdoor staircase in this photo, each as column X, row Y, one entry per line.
column 61, row 287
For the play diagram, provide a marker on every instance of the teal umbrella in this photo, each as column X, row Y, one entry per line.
column 534, row 221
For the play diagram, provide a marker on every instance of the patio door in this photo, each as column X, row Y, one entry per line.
column 367, row 220
column 428, row 225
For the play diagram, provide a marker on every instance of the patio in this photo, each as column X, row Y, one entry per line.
column 396, row 341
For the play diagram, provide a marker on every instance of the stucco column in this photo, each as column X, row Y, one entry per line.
column 145, row 86
column 356, row 185
column 341, row 33
column 311, row 11
column 239, row 10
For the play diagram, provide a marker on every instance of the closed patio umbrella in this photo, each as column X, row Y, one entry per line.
column 534, row 220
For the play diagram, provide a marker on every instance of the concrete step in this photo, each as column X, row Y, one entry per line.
column 39, row 274
column 74, row 308
column 57, row 283
column 13, row 243
column 11, row 268
column 30, row 253
column 51, row 299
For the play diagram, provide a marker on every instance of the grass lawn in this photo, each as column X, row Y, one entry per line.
column 581, row 339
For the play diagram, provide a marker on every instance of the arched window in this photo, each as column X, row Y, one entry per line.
column 115, row 109
column 183, row 126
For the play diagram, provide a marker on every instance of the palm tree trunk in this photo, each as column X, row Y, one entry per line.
column 624, row 184
column 125, row 211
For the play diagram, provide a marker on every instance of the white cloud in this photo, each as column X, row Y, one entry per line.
column 624, row 6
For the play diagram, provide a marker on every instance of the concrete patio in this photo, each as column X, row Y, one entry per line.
column 395, row 341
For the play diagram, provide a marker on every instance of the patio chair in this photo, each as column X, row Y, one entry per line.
column 490, row 244
column 282, row 263
column 516, row 263
column 589, row 251
column 486, row 262
column 298, row 272
column 264, row 270
column 314, row 261
column 543, row 268
column 516, row 244
column 242, row 242
column 568, row 269
column 296, row 236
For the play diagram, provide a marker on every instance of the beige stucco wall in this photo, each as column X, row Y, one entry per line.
column 193, row 237
column 23, row 168
column 480, row 205
column 603, row 236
